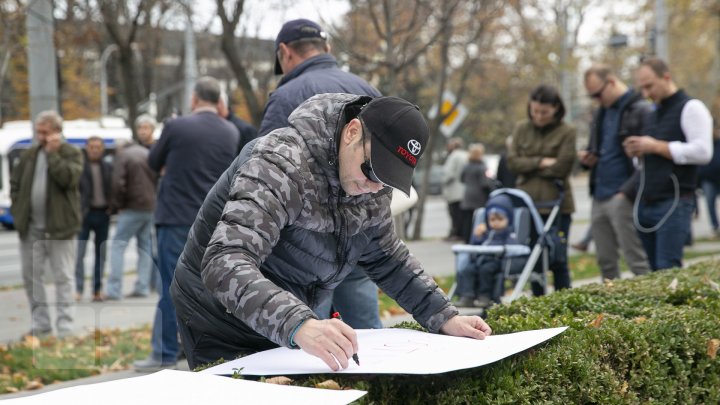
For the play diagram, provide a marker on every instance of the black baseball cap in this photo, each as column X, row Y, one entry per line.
column 399, row 135
column 293, row 31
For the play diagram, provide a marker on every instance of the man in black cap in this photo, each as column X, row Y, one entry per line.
column 296, row 212
column 302, row 54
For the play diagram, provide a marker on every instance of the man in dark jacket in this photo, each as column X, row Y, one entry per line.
column 45, row 194
column 622, row 112
column 192, row 152
column 302, row 54
column 134, row 190
column 297, row 211
column 95, row 201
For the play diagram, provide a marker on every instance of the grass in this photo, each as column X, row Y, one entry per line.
column 34, row 363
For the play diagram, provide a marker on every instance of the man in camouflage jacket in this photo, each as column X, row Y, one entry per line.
column 291, row 217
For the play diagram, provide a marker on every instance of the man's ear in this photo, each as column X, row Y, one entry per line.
column 353, row 131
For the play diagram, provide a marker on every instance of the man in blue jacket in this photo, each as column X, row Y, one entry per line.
column 191, row 154
column 302, row 54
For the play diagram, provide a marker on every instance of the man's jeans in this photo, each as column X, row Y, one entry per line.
column 356, row 298
column 171, row 241
column 97, row 221
column 664, row 247
column 131, row 223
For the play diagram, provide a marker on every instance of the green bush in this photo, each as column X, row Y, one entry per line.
column 643, row 340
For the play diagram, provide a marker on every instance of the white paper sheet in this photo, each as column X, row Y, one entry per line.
column 394, row 351
column 183, row 387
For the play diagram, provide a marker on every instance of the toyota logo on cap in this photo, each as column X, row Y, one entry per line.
column 414, row 147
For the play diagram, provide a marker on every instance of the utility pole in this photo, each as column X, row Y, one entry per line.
column 662, row 48
column 190, row 68
column 41, row 57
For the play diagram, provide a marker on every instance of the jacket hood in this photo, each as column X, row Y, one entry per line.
column 503, row 203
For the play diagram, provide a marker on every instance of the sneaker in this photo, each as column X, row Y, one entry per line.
column 482, row 301
column 464, row 302
column 581, row 247
column 98, row 297
column 65, row 333
column 150, row 365
column 112, row 298
column 38, row 333
column 136, row 294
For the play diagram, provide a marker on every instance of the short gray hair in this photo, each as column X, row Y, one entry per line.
column 145, row 119
column 207, row 89
column 50, row 117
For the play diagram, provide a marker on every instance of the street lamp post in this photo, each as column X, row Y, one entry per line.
column 103, row 79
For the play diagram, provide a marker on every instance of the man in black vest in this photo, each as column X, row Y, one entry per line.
column 679, row 138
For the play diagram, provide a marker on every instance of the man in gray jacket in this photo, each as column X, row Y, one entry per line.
column 294, row 214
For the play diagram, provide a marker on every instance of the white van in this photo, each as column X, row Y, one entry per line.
column 16, row 136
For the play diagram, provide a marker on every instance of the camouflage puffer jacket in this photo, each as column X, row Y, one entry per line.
column 288, row 235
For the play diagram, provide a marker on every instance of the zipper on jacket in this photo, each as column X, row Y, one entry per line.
column 342, row 244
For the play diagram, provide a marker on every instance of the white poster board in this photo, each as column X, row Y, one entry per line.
column 184, row 387
column 394, row 351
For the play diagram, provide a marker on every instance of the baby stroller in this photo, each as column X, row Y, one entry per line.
column 538, row 245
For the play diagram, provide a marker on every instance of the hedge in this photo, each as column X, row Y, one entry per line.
column 649, row 339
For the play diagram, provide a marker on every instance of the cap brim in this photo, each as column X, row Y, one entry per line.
column 389, row 168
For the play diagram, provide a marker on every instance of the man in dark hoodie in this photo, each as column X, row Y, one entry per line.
column 476, row 281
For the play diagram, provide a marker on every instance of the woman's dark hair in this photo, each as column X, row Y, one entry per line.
column 546, row 94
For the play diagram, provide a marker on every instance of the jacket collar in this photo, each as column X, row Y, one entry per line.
column 322, row 61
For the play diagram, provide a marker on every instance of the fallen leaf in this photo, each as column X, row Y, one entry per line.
column 712, row 348
column 11, row 389
column 396, row 311
column 673, row 285
column 640, row 319
column 33, row 385
column 279, row 380
column 624, row 388
column 101, row 351
column 609, row 283
column 328, row 385
column 597, row 321
column 31, row 341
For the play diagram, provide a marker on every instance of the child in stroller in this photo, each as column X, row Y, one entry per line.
column 479, row 282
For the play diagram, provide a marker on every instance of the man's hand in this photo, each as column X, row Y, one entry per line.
column 52, row 142
column 547, row 162
column 332, row 340
column 638, row 145
column 587, row 159
column 466, row 326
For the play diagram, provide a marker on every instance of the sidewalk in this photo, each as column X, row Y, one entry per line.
column 436, row 256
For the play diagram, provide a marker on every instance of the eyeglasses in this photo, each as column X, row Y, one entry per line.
column 366, row 166
column 599, row 93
